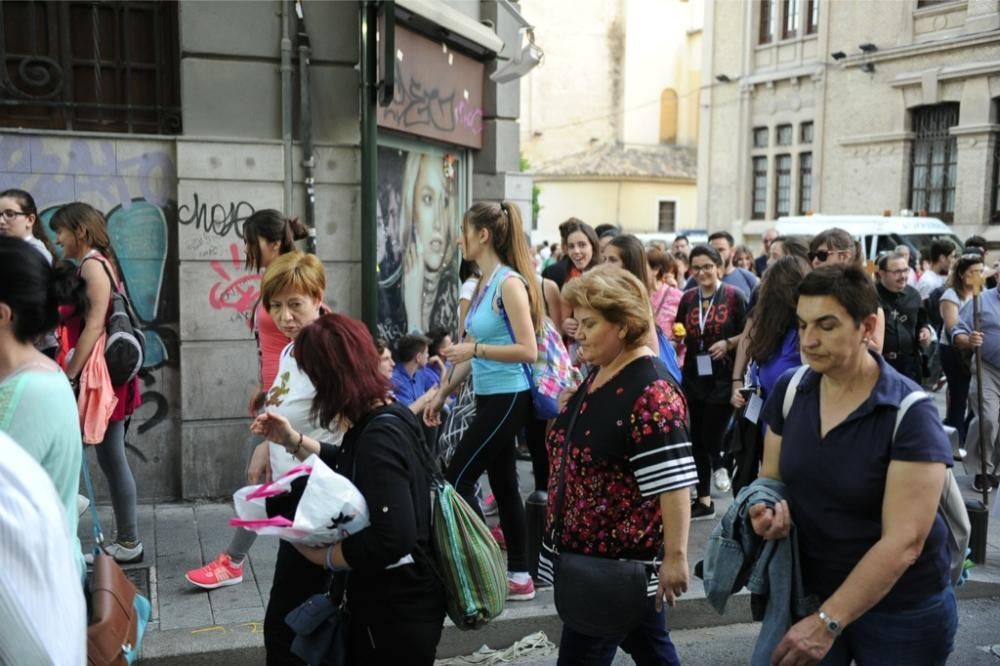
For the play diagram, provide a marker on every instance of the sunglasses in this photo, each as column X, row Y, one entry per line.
column 823, row 255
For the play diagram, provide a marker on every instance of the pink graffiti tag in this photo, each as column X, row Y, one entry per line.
column 238, row 294
column 469, row 116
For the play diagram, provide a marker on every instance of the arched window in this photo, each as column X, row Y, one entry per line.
column 668, row 116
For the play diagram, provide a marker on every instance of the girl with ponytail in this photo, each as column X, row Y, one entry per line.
column 493, row 237
column 83, row 234
column 267, row 235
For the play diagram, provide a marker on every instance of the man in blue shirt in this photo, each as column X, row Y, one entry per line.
column 412, row 387
column 964, row 336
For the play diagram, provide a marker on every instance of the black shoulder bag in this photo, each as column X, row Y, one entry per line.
column 595, row 596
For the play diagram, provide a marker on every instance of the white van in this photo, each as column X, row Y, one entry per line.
column 694, row 236
column 877, row 233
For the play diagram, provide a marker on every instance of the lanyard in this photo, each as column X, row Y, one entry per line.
column 704, row 315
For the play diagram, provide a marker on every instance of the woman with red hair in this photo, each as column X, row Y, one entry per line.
column 397, row 604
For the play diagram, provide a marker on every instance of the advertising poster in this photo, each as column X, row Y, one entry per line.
column 419, row 221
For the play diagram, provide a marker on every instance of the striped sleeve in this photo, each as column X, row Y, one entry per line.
column 661, row 456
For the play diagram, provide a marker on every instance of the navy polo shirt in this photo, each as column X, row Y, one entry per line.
column 836, row 484
column 407, row 389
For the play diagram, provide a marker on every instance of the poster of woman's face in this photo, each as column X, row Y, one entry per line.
column 419, row 216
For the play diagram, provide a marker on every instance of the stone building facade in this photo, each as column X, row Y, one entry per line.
column 850, row 107
column 177, row 174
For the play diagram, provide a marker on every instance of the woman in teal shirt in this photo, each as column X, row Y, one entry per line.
column 37, row 406
column 505, row 302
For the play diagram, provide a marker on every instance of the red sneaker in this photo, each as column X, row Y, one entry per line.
column 520, row 591
column 499, row 537
column 218, row 573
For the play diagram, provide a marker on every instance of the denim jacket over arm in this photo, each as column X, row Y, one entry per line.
column 736, row 557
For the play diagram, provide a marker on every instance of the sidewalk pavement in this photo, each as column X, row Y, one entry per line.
column 225, row 626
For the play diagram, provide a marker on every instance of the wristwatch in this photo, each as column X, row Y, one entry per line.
column 831, row 625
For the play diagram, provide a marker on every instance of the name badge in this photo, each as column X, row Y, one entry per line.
column 704, row 365
column 754, row 405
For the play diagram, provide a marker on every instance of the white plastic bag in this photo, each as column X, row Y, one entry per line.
column 330, row 510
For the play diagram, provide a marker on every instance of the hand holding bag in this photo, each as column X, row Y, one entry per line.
column 595, row 596
column 120, row 613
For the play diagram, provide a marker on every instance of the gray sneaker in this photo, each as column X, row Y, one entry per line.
column 121, row 553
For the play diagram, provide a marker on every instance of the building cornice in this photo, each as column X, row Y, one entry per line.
column 868, row 139
column 963, row 71
column 589, row 178
column 923, row 48
column 966, row 130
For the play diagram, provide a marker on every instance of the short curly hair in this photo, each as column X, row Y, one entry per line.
column 296, row 271
column 616, row 295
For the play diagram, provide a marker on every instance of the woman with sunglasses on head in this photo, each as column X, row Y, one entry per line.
column 83, row 234
column 499, row 344
column 713, row 314
column 959, row 290
column 834, row 247
column 267, row 235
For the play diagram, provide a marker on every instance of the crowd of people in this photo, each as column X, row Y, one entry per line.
column 675, row 353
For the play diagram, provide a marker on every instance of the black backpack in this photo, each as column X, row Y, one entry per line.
column 933, row 306
column 125, row 344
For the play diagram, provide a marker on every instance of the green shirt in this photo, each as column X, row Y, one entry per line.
column 39, row 412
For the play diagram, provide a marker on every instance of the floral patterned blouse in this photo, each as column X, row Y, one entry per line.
column 630, row 443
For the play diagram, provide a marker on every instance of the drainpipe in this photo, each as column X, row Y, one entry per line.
column 305, row 129
column 286, row 105
column 368, row 23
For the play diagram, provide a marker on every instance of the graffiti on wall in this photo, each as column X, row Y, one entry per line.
column 234, row 290
column 100, row 172
column 132, row 183
column 219, row 219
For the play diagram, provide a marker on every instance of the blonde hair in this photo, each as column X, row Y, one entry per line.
column 296, row 272
column 503, row 220
column 616, row 295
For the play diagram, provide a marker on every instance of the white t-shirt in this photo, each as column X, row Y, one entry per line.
column 43, row 617
column 291, row 396
column 951, row 296
column 928, row 282
column 40, row 247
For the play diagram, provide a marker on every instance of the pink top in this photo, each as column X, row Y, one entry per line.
column 664, row 302
column 128, row 394
column 270, row 343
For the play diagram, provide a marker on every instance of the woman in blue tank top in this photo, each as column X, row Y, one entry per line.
column 505, row 302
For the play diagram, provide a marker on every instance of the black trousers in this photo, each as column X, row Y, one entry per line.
column 295, row 580
column 488, row 446
column 534, row 436
column 708, row 425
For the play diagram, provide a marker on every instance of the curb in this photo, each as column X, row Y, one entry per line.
column 243, row 643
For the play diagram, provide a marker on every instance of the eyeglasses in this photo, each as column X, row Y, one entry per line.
column 704, row 268
column 899, row 273
column 823, row 255
column 10, row 214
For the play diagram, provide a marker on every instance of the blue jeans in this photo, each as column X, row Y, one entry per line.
column 648, row 644
column 920, row 636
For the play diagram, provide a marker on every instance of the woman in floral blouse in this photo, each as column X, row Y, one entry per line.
column 627, row 463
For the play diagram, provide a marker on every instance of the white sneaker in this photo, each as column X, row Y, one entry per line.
column 721, row 480
column 121, row 553
column 82, row 504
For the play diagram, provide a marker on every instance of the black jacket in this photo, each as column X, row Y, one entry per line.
column 381, row 451
column 904, row 317
column 557, row 272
